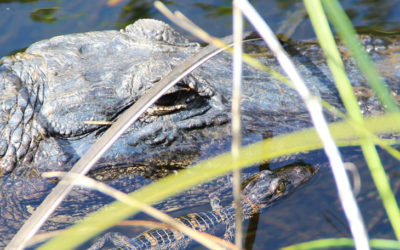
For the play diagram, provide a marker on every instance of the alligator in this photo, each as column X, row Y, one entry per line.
column 54, row 92
column 58, row 96
column 259, row 191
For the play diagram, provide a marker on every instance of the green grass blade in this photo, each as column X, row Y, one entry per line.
column 335, row 63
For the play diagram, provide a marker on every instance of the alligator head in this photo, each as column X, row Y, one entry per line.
column 62, row 90
column 268, row 186
column 51, row 91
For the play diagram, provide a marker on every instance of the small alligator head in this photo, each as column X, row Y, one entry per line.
column 57, row 85
column 268, row 186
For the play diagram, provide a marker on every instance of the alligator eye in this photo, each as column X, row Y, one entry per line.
column 171, row 98
column 281, row 188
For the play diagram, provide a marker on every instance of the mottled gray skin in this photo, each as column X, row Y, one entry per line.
column 49, row 91
column 260, row 191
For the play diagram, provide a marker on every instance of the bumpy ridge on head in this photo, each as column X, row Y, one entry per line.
column 156, row 31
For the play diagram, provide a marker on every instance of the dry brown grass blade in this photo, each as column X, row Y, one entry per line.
column 236, row 122
column 153, row 224
column 98, row 122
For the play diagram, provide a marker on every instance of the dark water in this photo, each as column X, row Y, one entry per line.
column 26, row 21
column 310, row 213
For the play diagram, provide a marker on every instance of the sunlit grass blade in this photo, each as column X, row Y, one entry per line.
column 236, row 116
column 301, row 141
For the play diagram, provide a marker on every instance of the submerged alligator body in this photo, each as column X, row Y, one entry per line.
column 50, row 91
column 260, row 191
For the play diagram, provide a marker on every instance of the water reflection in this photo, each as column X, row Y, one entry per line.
column 45, row 14
column 376, row 12
column 134, row 10
column 215, row 11
column 20, row 1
